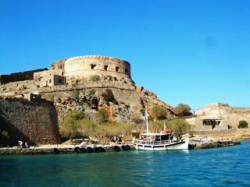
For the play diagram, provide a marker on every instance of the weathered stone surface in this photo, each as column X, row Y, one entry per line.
column 20, row 76
column 227, row 116
column 33, row 122
column 212, row 144
column 86, row 66
column 69, row 84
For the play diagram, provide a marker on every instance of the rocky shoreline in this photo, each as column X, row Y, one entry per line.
column 59, row 149
column 212, row 144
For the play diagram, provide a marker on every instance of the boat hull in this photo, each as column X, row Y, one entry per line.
column 182, row 145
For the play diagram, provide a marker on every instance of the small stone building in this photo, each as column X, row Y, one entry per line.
column 50, row 78
column 218, row 117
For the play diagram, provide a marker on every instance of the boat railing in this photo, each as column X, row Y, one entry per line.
column 153, row 142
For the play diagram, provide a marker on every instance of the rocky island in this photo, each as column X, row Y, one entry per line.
column 93, row 96
column 34, row 103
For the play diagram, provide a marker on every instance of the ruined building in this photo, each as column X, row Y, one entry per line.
column 218, row 117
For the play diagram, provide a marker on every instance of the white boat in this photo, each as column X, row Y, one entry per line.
column 160, row 141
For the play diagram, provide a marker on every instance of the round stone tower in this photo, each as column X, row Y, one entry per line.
column 87, row 66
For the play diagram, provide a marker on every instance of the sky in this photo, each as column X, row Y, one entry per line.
column 186, row 51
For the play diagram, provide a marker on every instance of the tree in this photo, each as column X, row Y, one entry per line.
column 158, row 112
column 183, row 110
column 179, row 127
column 243, row 124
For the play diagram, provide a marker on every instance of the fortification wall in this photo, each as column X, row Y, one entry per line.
column 79, row 83
column 86, row 66
column 20, row 76
column 31, row 122
column 75, row 70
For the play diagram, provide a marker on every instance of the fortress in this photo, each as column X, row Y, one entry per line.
column 83, row 83
column 91, row 65
column 34, row 103
column 76, row 68
column 77, row 76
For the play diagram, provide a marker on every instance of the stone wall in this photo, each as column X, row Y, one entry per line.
column 49, row 78
column 86, row 66
column 20, row 76
column 33, row 122
column 227, row 116
column 75, row 83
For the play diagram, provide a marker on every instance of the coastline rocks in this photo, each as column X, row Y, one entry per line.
column 64, row 150
column 194, row 144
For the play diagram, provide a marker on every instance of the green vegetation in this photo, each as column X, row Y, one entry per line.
column 102, row 116
column 95, row 78
column 183, row 110
column 243, row 124
column 77, row 115
column 70, row 126
column 103, row 130
column 158, row 112
column 178, row 126
column 76, row 125
column 111, row 129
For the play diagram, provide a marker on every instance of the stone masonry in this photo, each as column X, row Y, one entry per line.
column 78, row 82
column 33, row 122
column 218, row 117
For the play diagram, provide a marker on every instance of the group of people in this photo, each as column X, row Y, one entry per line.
column 23, row 144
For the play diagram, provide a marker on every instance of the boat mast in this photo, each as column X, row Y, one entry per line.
column 146, row 119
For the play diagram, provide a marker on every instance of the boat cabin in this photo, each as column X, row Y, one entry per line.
column 157, row 137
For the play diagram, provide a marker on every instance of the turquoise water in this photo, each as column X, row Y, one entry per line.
column 214, row 167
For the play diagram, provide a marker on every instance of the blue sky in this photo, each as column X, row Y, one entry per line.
column 186, row 51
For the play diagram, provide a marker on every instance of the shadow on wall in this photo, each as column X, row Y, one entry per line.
column 9, row 134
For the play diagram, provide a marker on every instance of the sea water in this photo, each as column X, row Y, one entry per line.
column 212, row 167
